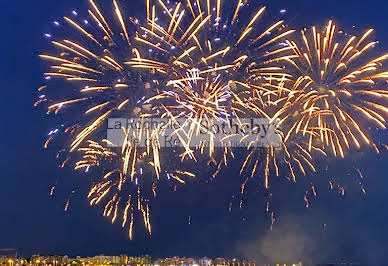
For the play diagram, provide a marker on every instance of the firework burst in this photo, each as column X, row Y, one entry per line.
column 186, row 45
column 204, row 62
column 198, row 103
column 88, row 77
column 341, row 87
column 206, row 35
column 289, row 151
column 93, row 62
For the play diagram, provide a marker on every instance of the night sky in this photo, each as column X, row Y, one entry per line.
column 333, row 228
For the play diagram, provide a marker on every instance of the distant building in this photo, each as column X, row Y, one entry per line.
column 101, row 260
column 54, row 260
column 139, row 260
column 9, row 261
column 220, row 261
column 205, row 261
column 175, row 261
column 282, row 264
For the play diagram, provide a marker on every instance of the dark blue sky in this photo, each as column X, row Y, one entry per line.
column 334, row 228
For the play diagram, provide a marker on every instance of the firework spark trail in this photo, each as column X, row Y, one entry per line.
column 342, row 87
column 67, row 205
